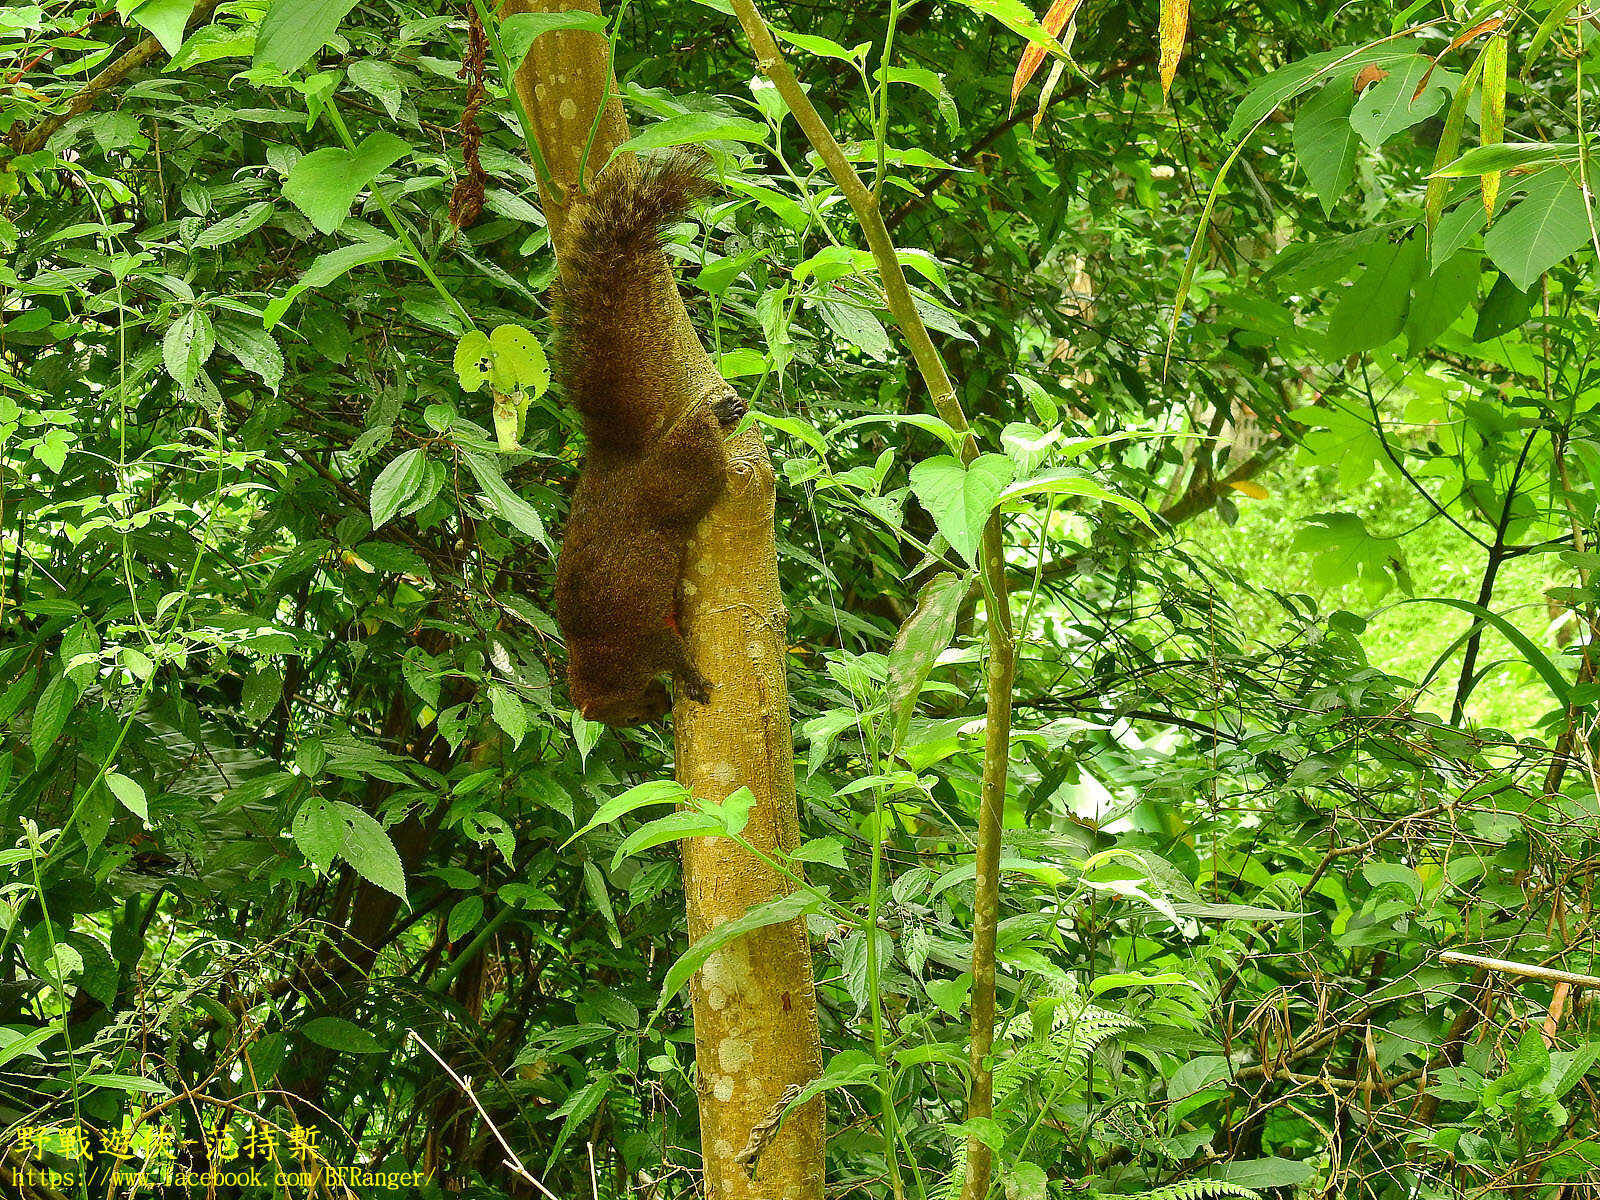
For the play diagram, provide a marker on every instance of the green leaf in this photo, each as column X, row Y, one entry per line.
column 260, row 693
column 499, row 498
column 510, row 359
column 124, row 1083
column 673, row 827
column 1325, row 141
column 50, row 713
column 293, row 30
column 130, row 794
column 517, row 32
column 318, row 832
column 1064, row 481
column 187, row 345
column 1505, row 156
column 328, row 267
column 1258, row 1173
column 13, row 1044
column 338, row 1034
column 1388, row 107
column 758, row 916
column 396, row 484
column 464, row 917
column 255, row 350
column 1439, row 298
column 368, row 848
column 1555, row 679
column 1344, row 552
column 917, row 646
column 324, row 183
column 960, row 498
column 1372, row 311
column 165, row 19
column 695, row 127
column 509, row 712
column 656, row 791
column 1548, row 224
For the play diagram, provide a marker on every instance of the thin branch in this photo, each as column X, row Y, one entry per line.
column 119, row 69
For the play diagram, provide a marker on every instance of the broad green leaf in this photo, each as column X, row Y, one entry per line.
column 464, row 917
column 856, row 325
column 937, row 426
column 674, row 827
column 823, row 47
column 960, row 498
column 759, row 916
column 1439, row 298
column 293, row 30
column 396, row 484
column 509, row 712
column 1373, row 309
column 1343, row 551
column 336, row 1033
column 50, row 713
column 1064, row 481
column 328, row 267
column 368, row 848
column 130, row 794
column 1507, row 156
column 694, row 128
column 499, row 498
column 1391, row 105
column 123, row 1083
column 917, row 646
column 1259, row 1173
column 517, row 32
column 255, row 350
column 656, row 791
column 318, row 832
column 13, row 1045
column 1325, row 142
column 1547, row 225
column 509, row 359
column 165, row 19
column 187, row 345
column 324, row 183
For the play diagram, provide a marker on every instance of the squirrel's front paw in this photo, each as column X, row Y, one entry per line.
column 729, row 407
column 697, row 687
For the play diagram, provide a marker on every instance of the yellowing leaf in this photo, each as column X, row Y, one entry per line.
column 1493, row 122
column 1254, row 490
column 1054, row 22
column 1174, row 28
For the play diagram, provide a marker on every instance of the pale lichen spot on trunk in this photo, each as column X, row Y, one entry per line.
column 569, row 109
column 724, row 774
column 734, row 1054
column 722, row 1088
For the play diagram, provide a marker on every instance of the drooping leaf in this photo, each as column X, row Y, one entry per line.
column 396, row 484
column 1325, row 142
column 923, row 637
column 293, row 30
column 368, row 848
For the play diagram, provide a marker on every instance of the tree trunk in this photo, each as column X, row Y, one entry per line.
column 755, row 1015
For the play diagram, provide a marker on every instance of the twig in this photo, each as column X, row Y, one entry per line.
column 511, row 1160
column 115, row 73
column 1506, row 967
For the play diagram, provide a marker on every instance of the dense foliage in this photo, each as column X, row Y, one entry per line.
column 289, row 780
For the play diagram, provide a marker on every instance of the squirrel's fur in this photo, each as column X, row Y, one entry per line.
column 656, row 459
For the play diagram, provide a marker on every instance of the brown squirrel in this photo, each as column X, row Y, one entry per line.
column 656, row 459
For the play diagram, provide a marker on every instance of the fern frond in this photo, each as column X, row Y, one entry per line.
column 1200, row 1189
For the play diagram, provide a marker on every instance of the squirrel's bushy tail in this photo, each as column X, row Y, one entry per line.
column 613, row 301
